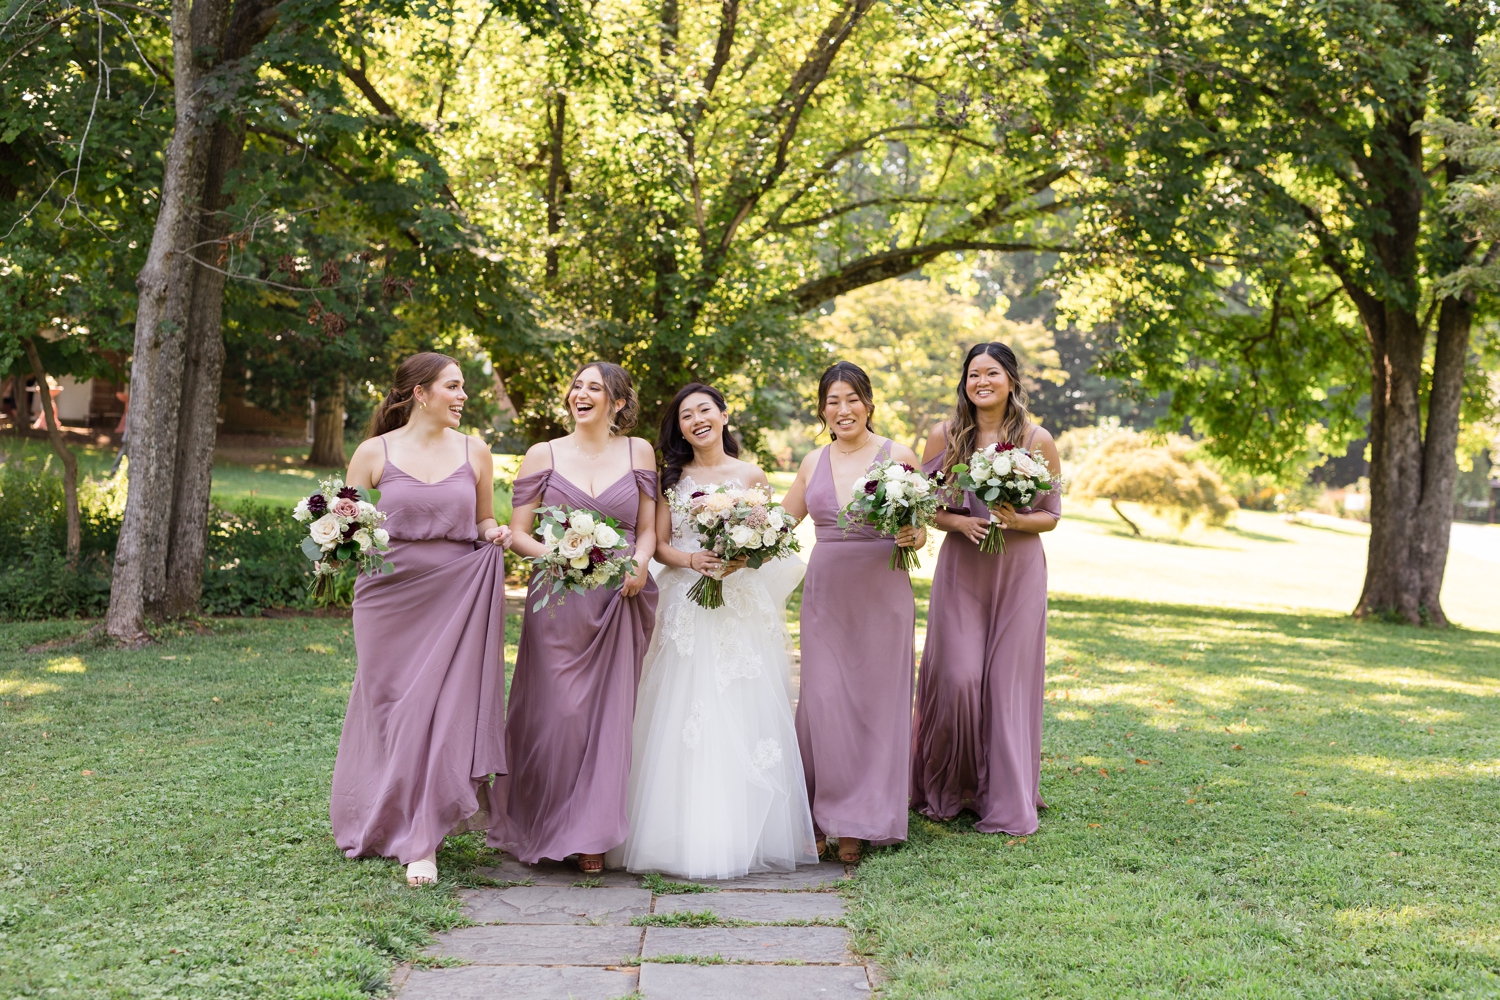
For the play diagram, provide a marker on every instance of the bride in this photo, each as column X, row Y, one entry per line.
column 716, row 787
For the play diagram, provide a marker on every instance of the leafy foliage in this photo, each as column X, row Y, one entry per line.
column 1116, row 464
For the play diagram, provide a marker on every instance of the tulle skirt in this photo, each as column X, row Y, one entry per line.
column 716, row 785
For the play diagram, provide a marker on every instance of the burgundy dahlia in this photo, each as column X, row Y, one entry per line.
column 317, row 505
column 349, row 493
column 871, row 486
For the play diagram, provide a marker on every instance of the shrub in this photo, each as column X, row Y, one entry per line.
column 253, row 560
column 1113, row 463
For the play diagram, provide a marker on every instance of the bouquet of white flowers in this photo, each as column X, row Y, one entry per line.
column 345, row 527
column 1004, row 473
column 732, row 523
column 584, row 550
column 888, row 497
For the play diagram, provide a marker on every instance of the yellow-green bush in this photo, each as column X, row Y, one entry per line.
column 1165, row 474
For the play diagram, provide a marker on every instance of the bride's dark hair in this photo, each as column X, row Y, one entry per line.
column 674, row 447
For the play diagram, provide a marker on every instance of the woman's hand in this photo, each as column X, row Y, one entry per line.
column 636, row 582
column 499, row 535
column 911, row 538
column 1006, row 514
column 705, row 562
column 974, row 528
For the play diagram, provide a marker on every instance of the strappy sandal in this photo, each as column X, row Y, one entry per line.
column 851, row 857
column 590, row 864
column 422, row 872
column 822, row 848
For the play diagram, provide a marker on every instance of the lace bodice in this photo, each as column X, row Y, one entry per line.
column 684, row 539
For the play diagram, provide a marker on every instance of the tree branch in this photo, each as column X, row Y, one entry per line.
column 894, row 263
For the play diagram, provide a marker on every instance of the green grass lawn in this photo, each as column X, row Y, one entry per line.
column 1312, row 815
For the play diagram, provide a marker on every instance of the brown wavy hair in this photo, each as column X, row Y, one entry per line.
column 395, row 410
column 855, row 378
column 617, row 386
column 963, row 428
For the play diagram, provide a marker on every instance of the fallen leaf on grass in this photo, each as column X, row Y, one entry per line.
column 169, row 657
column 1191, row 801
column 1299, row 793
column 1102, row 771
column 1236, row 747
column 1139, row 761
column 1094, row 824
column 216, row 699
column 87, row 773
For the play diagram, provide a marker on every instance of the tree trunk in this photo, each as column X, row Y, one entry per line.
column 328, row 428
column 70, row 464
column 23, row 406
column 179, row 350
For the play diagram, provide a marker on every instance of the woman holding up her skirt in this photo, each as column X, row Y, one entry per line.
column 977, row 729
column 424, row 731
column 572, row 700
column 858, row 633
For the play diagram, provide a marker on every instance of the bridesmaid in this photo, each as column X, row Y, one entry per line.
column 858, row 633
column 424, row 730
column 977, row 730
column 572, row 700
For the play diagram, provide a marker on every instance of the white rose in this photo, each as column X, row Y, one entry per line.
column 769, row 538
column 364, row 539
column 605, row 537
column 382, row 537
column 580, row 562
column 366, row 510
column 920, row 487
column 774, row 519
column 300, row 512
column 581, row 521
column 743, row 536
column 575, row 545
column 1002, row 465
column 893, row 472
column 325, row 530
column 706, row 518
column 859, row 485
column 895, row 492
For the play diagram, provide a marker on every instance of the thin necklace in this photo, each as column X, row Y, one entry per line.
column 595, row 456
column 868, row 436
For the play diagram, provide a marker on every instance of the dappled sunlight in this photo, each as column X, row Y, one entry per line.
column 66, row 665
column 14, row 687
column 1388, row 918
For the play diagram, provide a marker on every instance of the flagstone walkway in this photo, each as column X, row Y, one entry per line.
column 549, row 934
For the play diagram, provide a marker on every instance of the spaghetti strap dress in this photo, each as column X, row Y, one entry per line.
column 858, row 652
column 977, row 729
column 425, row 727
column 572, row 698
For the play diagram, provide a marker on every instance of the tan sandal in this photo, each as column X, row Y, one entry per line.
column 848, row 856
column 591, row 864
column 423, row 872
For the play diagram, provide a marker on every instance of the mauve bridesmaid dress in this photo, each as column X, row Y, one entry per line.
column 425, row 727
column 572, row 699
column 977, row 729
column 858, row 650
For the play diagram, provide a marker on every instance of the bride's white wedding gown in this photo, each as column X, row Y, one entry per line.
column 716, row 786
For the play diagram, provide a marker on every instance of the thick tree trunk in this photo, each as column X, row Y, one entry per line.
column 1412, row 473
column 179, row 349
column 70, row 464
column 328, row 428
column 23, row 405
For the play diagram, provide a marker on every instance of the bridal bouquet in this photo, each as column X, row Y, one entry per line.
column 888, row 497
column 732, row 523
column 345, row 528
column 584, row 550
column 1004, row 473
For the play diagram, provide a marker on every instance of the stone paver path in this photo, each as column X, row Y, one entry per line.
column 549, row 934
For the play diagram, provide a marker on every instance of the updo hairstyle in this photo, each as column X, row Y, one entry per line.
column 395, row 410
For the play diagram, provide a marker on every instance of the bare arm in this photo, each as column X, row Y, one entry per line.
column 908, row 537
column 1037, row 521
column 795, row 500
column 484, row 500
column 523, row 516
column 642, row 457
column 366, row 465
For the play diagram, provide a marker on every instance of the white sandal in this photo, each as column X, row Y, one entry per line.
column 422, row 872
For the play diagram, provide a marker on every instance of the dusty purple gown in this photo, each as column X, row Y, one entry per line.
column 977, row 729
column 858, row 651
column 572, row 699
column 425, row 726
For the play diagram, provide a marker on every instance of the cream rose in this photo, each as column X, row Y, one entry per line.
column 325, row 530
column 745, row 538
column 364, row 539
column 382, row 537
column 769, row 538
column 575, row 545
column 300, row 512
column 581, row 521
column 606, row 537
column 579, row 562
